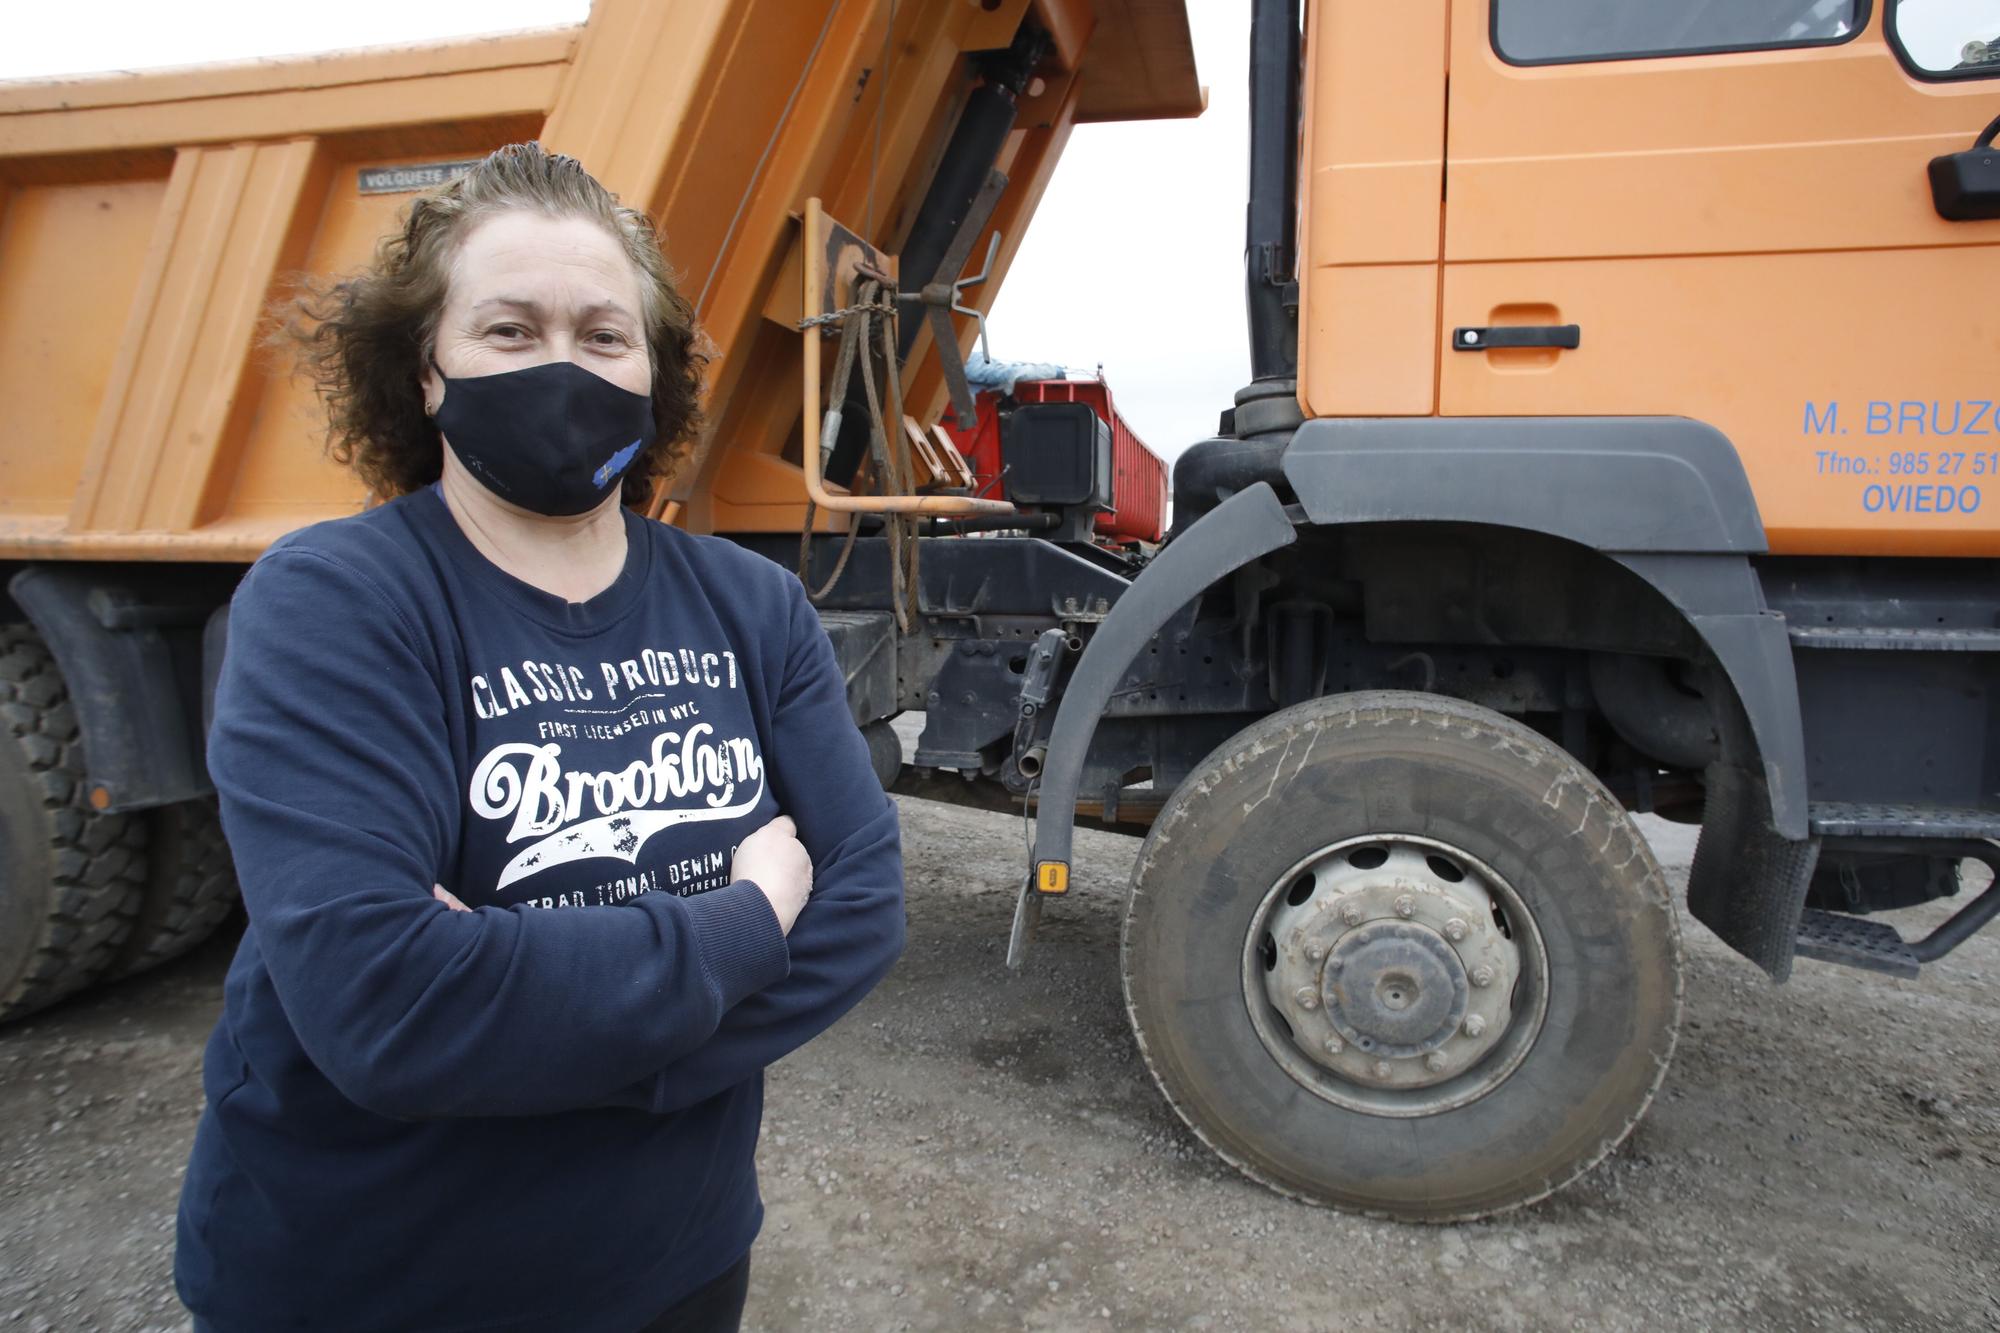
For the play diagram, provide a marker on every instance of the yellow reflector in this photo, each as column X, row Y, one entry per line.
column 1052, row 877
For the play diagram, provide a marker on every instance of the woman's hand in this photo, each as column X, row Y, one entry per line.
column 448, row 898
column 776, row 862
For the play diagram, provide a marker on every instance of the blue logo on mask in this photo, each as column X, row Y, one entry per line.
column 614, row 465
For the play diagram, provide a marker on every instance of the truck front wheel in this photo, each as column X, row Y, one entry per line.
column 71, row 878
column 1400, row 954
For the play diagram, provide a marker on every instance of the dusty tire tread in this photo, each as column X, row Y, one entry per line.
column 1445, row 715
column 94, row 863
column 191, row 889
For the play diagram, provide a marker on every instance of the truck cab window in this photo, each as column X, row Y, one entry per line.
column 1535, row 32
column 1947, row 39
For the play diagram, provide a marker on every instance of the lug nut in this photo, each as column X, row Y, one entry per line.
column 1474, row 1025
column 1334, row 1046
column 1307, row 997
column 1435, row 1062
column 1316, row 951
column 1351, row 913
column 1454, row 929
column 1381, row 1069
column 1406, row 906
column 1482, row 975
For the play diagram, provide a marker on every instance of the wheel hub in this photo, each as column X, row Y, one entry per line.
column 1389, row 964
column 1394, row 990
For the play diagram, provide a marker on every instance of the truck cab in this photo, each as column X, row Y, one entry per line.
column 1619, row 373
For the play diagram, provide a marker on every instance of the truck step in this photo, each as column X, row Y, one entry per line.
column 1833, row 938
column 1896, row 638
column 1855, row 819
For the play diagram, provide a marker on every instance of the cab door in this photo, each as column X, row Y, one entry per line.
column 1724, row 206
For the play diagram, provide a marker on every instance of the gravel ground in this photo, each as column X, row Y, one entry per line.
column 980, row 1149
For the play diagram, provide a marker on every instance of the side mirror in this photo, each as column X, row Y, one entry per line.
column 1965, row 187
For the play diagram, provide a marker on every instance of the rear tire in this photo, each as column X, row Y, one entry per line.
column 70, row 877
column 885, row 752
column 1282, row 900
column 191, row 888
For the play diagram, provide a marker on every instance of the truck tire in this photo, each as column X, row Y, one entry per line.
column 885, row 752
column 1402, row 955
column 191, row 887
column 70, row 878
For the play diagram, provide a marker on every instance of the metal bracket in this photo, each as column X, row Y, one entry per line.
column 1038, row 685
column 1878, row 947
column 958, row 307
column 1038, row 681
column 940, row 297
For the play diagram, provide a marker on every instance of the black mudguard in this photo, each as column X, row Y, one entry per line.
column 1249, row 524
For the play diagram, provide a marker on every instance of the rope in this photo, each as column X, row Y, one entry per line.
column 886, row 475
column 905, row 469
column 837, row 316
column 825, row 590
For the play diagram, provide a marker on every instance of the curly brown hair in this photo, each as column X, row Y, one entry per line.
column 363, row 340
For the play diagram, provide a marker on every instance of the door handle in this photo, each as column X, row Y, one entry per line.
column 1516, row 335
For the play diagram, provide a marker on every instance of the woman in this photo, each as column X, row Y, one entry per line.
column 552, row 823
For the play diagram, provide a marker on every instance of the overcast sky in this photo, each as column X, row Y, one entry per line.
column 1134, row 259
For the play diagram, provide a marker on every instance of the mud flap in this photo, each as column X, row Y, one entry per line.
column 128, row 642
column 1749, row 884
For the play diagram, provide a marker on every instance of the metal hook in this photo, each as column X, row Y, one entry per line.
column 958, row 287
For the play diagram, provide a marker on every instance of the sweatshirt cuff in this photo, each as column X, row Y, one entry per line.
column 742, row 946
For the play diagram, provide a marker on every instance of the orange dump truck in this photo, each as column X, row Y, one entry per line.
column 151, row 448
column 1621, row 438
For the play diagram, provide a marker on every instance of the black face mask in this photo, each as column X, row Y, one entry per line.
column 553, row 439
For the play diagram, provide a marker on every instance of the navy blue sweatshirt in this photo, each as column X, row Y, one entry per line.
column 540, row 1114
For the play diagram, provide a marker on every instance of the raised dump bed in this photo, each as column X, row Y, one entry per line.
column 146, row 221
